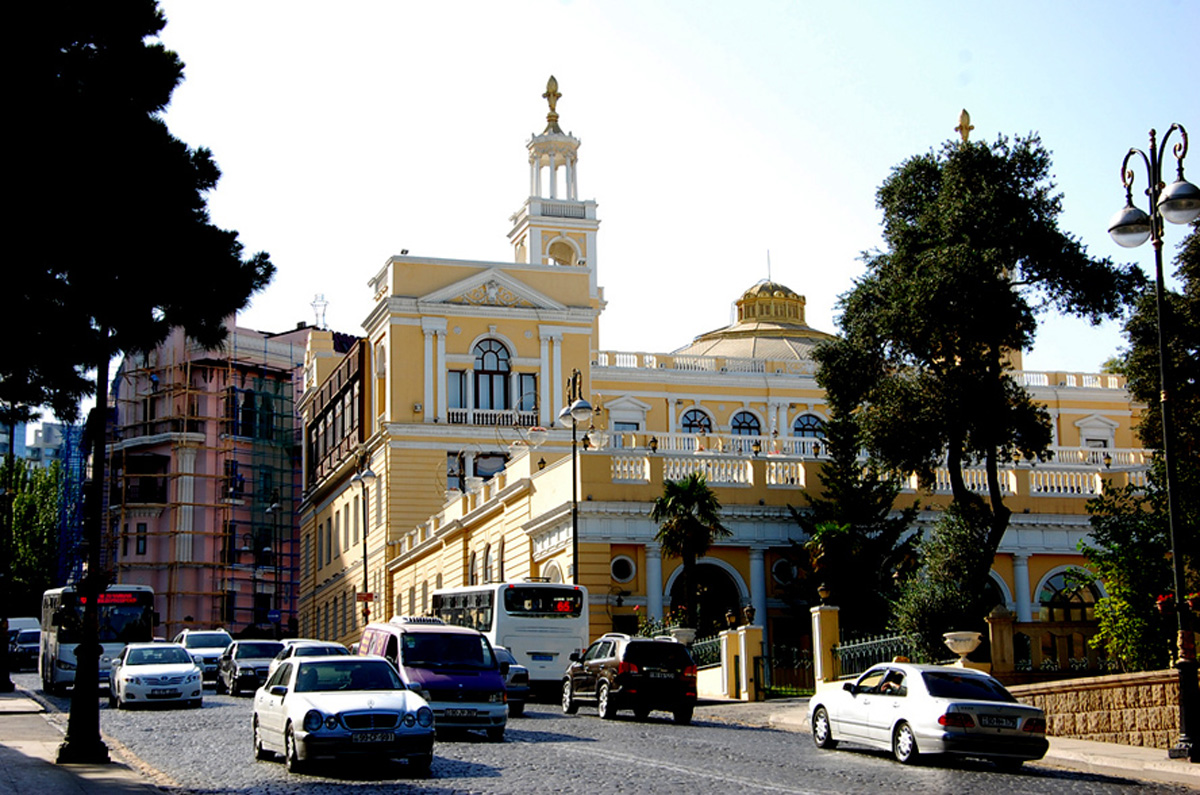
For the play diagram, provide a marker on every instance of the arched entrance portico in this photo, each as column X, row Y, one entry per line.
column 719, row 588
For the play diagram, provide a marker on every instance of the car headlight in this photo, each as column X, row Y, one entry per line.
column 331, row 722
column 193, row 677
column 425, row 717
column 498, row 697
column 410, row 719
column 313, row 720
column 133, row 680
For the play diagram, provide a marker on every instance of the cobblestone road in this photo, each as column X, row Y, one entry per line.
column 208, row 751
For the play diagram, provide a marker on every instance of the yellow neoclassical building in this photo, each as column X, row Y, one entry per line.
column 432, row 457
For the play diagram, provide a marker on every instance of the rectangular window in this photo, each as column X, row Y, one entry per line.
column 527, row 396
column 620, row 432
column 346, row 528
column 141, row 538
column 337, row 528
column 354, row 540
column 307, row 551
column 228, row 610
column 456, row 389
column 125, row 541
column 229, row 541
column 378, row 505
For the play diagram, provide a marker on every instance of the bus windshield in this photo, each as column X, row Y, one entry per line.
column 125, row 617
column 566, row 602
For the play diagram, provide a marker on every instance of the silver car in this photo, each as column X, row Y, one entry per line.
column 154, row 673
column 913, row 710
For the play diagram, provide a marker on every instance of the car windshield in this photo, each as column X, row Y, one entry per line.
column 29, row 636
column 348, row 674
column 447, row 650
column 319, row 651
column 247, row 651
column 162, row 655
column 975, row 688
column 657, row 652
column 207, row 640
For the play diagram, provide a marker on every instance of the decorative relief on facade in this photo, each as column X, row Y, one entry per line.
column 491, row 294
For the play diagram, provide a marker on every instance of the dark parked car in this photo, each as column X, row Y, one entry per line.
column 516, row 682
column 244, row 665
column 24, row 650
column 642, row 674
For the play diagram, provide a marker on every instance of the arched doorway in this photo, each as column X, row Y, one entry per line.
column 716, row 592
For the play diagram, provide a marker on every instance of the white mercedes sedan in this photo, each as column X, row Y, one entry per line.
column 154, row 673
column 912, row 710
column 337, row 706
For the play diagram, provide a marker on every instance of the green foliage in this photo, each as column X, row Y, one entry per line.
column 35, row 533
column 689, row 519
column 116, row 247
column 973, row 253
column 653, row 627
column 943, row 595
column 858, row 544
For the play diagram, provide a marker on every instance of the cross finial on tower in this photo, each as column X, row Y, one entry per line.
column 552, row 96
column 964, row 125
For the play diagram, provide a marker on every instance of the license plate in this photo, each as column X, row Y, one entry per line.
column 997, row 722
column 542, row 657
column 163, row 693
column 460, row 713
column 661, row 675
column 373, row 737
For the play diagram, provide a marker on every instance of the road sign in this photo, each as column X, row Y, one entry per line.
column 274, row 616
column 366, row 597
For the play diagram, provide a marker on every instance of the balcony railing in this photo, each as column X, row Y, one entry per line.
column 494, row 417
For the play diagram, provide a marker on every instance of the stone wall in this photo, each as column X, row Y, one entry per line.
column 1131, row 709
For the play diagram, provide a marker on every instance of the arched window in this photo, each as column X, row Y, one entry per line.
column 696, row 421
column 746, row 424
column 474, row 570
column 487, row 563
column 808, row 425
column 1064, row 597
column 492, row 367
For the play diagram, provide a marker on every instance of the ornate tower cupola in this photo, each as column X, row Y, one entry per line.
column 554, row 227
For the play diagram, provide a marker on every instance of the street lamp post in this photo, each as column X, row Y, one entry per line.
column 364, row 477
column 576, row 411
column 1178, row 203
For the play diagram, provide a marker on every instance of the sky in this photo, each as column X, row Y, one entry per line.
column 723, row 142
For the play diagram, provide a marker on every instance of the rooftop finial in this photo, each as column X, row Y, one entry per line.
column 964, row 125
column 552, row 95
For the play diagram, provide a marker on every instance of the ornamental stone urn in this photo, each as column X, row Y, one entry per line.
column 962, row 644
column 685, row 635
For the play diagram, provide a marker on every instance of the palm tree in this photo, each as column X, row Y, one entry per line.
column 689, row 520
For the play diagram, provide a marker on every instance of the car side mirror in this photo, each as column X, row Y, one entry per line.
column 850, row 688
column 574, row 657
column 504, row 668
column 279, row 690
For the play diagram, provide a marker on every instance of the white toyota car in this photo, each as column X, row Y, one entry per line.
column 155, row 673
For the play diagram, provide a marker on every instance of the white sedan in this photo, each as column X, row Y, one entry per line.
column 155, row 673
column 912, row 710
column 330, row 707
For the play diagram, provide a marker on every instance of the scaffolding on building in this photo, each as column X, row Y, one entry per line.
column 71, row 487
column 204, row 481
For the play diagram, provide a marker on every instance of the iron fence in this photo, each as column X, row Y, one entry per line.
column 857, row 656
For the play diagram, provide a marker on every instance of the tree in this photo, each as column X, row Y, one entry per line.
column 973, row 253
column 1130, row 544
column 35, row 534
column 115, row 245
column 689, row 519
column 858, row 544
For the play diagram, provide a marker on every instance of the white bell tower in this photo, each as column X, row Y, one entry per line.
column 554, row 227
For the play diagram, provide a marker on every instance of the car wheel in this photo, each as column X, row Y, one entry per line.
column 112, row 698
column 197, row 703
column 291, row 754
column 496, row 735
column 516, row 710
column 604, row 704
column 235, row 689
column 683, row 715
column 641, row 712
column 569, row 707
column 220, row 685
column 822, row 733
column 260, row 753
column 904, row 744
column 419, row 766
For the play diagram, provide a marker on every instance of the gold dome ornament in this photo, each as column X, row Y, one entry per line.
column 552, row 96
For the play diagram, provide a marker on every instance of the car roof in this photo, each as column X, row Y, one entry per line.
column 438, row 628
column 153, row 645
column 918, row 668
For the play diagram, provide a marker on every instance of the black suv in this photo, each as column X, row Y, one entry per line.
column 641, row 674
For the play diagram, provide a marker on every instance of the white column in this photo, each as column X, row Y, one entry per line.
column 569, row 176
column 537, row 175
column 185, row 498
column 654, row 582
column 536, row 255
column 544, row 379
column 1021, row 594
column 575, row 179
column 553, row 176
column 443, row 411
column 470, row 377
column 758, row 585
column 468, row 465
column 556, row 390
column 533, row 175
column 429, row 374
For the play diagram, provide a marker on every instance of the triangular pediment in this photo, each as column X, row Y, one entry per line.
column 492, row 287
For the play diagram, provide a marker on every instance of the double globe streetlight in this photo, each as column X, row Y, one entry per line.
column 1178, row 203
column 364, row 477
